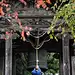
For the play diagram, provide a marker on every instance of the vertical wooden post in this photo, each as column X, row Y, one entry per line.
column 66, row 56
column 8, row 56
column 61, row 65
column 14, row 64
column 73, row 64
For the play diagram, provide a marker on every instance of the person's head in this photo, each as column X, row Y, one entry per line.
column 37, row 67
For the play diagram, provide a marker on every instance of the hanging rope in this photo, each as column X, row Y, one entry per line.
column 37, row 60
column 37, row 70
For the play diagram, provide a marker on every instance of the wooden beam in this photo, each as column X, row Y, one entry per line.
column 34, row 16
column 66, row 56
column 8, row 56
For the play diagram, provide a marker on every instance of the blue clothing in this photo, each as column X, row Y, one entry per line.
column 36, row 72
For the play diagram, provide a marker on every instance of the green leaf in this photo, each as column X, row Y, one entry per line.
column 55, row 38
column 51, row 36
column 48, row 32
column 63, row 0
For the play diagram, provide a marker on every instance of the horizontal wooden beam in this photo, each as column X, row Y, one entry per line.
column 36, row 16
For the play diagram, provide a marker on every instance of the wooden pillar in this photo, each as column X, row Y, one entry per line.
column 61, row 65
column 66, row 56
column 14, row 64
column 73, row 64
column 8, row 56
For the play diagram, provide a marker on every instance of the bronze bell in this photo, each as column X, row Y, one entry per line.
column 42, row 56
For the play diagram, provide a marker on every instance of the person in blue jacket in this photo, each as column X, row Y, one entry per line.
column 37, row 71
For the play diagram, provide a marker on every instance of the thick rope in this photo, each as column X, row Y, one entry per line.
column 37, row 59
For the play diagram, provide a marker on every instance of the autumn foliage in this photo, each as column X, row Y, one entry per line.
column 42, row 3
column 3, row 3
column 38, row 4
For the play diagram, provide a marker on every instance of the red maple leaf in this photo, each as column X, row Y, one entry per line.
column 22, row 35
column 23, row 1
column 48, row 1
column 40, row 3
